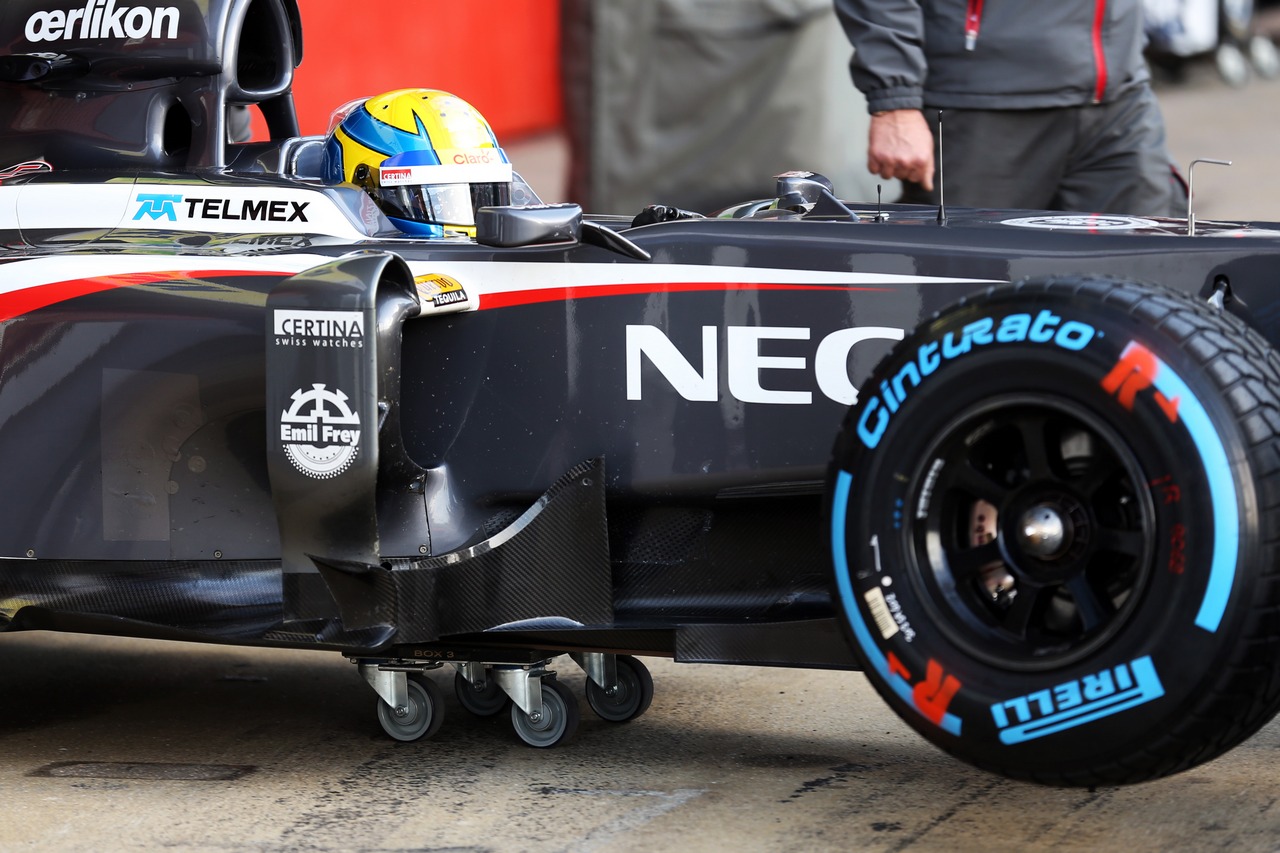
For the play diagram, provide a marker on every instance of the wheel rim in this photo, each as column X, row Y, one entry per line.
column 548, row 728
column 417, row 719
column 623, row 702
column 1035, row 544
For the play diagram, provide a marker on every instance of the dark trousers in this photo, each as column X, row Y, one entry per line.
column 1106, row 158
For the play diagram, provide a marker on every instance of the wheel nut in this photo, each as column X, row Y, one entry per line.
column 1043, row 532
column 401, row 711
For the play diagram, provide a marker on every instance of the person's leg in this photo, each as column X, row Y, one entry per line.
column 999, row 158
column 1121, row 164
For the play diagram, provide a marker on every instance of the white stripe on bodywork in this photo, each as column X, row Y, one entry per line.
column 499, row 277
column 35, row 272
column 476, row 277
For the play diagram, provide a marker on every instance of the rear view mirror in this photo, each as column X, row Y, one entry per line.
column 530, row 225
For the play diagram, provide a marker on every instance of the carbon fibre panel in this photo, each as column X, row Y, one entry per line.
column 814, row 643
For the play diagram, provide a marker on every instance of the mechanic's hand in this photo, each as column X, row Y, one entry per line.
column 900, row 145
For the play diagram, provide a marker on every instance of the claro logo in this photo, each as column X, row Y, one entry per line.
column 464, row 157
column 745, row 368
column 103, row 19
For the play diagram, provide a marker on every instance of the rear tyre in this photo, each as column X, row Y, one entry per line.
column 1053, row 521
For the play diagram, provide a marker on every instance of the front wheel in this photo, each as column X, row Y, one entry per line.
column 1052, row 532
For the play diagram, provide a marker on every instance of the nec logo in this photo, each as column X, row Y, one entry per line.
column 102, row 19
column 745, row 365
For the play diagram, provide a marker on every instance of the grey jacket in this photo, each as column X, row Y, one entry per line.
column 993, row 54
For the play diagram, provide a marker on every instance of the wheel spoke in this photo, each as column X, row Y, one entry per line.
column 1093, row 610
column 966, row 563
column 968, row 479
column 1017, row 619
column 1040, row 457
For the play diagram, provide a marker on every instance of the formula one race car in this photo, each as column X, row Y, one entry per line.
column 239, row 405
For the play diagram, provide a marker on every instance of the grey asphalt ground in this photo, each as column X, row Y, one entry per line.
column 122, row 745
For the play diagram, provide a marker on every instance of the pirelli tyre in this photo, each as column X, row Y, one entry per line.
column 1054, row 518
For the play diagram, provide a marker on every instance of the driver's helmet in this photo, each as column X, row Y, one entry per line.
column 428, row 159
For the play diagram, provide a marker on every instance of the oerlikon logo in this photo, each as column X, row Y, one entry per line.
column 103, row 19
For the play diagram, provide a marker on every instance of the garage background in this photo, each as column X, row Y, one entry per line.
column 614, row 103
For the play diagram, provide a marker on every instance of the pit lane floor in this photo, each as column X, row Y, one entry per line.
column 111, row 744
column 120, row 745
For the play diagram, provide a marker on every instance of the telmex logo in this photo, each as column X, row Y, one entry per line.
column 102, row 19
column 744, row 363
column 164, row 206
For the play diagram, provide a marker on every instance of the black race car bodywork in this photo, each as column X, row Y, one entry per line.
column 236, row 406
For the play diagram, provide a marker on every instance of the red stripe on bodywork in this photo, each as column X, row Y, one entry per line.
column 1099, row 55
column 19, row 302
column 560, row 294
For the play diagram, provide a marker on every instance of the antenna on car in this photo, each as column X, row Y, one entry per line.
column 880, row 216
column 942, row 196
column 1191, row 190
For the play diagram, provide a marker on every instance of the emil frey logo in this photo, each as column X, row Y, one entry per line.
column 103, row 19
column 320, row 432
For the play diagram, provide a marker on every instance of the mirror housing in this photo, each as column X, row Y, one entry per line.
column 530, row 225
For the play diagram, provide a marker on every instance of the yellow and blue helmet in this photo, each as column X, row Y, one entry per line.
column 428, row 159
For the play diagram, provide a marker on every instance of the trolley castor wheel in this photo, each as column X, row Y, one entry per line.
column 420, row 717
column 555, row 723
column 487, row 701
column 630, row 696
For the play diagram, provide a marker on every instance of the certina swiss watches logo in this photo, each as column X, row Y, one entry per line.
column 103, row 19
column 320, row 432
column 169, row 207
column 337, row 329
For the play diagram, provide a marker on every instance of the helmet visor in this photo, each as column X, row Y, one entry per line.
column 443, row 204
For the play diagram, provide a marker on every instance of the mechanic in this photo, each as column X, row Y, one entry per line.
column 427, row 158
column 1047, row 104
